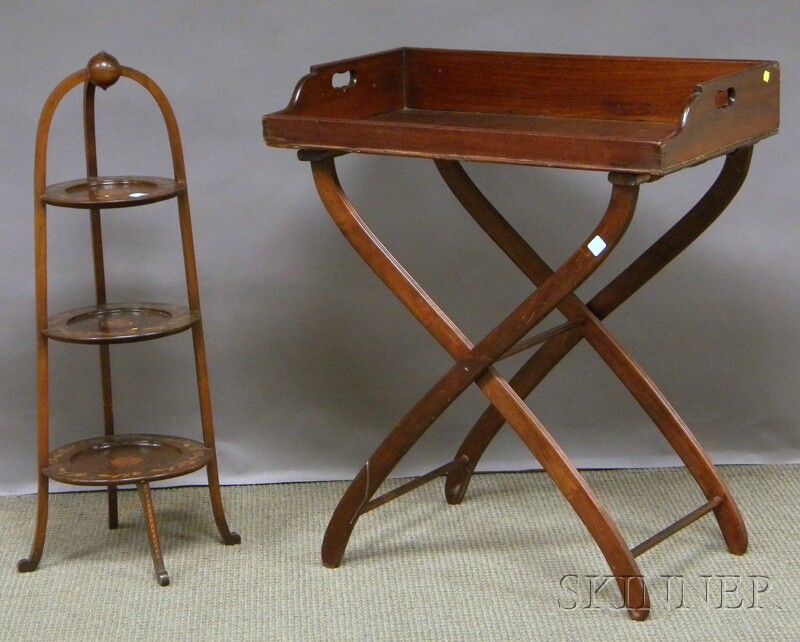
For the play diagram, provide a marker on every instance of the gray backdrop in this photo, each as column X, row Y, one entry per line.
column 312, row 361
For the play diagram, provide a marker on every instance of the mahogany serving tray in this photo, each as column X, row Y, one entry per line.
column 640, row 115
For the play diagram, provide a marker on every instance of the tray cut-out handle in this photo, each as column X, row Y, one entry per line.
column 343, row 80
column 725, row 98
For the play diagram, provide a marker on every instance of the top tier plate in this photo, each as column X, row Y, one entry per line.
column 112, row 191
column 638, row 115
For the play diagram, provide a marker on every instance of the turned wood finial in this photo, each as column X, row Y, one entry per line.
column 104, row 70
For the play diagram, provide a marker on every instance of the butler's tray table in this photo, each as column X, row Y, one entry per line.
column 638, row 119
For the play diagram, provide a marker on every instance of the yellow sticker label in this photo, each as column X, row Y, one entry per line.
column 766, row 75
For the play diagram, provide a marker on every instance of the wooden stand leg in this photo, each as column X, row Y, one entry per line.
column 108, row 412
column 212, row 471
column 152, row 533
column 30, row 563
column 201, row 369
column 113, row 508
column 675, row 431
column 90, row 143
column 577, row 492
column 228, row 536
column 378, row 467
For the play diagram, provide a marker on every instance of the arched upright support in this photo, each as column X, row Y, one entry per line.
column 473, row 364
column 98, row 259
column 30, row 563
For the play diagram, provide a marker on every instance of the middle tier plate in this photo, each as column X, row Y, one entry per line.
column 112, row 191
column 120, row 322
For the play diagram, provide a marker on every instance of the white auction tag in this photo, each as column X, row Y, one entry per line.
column 596, row 245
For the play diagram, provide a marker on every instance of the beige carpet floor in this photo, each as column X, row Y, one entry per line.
column 511, row 563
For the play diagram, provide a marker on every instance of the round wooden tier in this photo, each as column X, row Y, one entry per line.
column 112, row 191
column 126, row 459
column 120, row 322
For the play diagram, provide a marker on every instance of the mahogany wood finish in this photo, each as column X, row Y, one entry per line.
column 114, row 460
column 641, row 115
column 637, row 118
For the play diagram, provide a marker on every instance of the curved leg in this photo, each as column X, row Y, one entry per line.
column 675, row 431
column 152, row 533
column 228, row 537
column 577, row 492
column 473, row 364
column 639, row 272
column 30, row 563
column 201, row 370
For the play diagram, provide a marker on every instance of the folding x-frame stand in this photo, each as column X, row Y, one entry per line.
column 474, row 363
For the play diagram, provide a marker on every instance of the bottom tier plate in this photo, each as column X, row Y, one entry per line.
column 125, row 459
